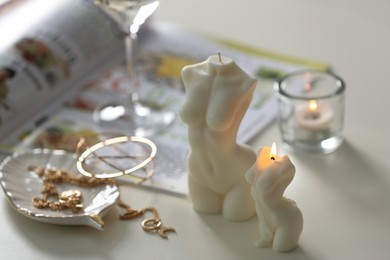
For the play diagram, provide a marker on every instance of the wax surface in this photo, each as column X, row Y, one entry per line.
column 218, row 94
column 322, row 119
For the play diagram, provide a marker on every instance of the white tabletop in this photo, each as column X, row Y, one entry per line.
column 343, row 196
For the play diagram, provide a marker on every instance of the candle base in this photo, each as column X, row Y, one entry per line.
column 324, row 146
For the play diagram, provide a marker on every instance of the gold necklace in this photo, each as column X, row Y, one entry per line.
column 72, row 199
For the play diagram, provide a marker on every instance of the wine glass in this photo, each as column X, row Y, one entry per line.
column 131, row 14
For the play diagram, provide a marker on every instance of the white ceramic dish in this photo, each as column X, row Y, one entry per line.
column 21, row 186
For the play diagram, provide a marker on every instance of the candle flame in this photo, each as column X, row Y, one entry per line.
column 272, row 154
column 313, row 105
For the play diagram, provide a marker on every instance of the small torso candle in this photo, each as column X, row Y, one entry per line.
column 280, row 220
column 218, row 94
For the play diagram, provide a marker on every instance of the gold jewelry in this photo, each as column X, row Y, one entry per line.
column 149, row 225
column 92, row 151
column 71, row 199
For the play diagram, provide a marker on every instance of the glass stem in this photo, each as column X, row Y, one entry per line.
column 131, row 51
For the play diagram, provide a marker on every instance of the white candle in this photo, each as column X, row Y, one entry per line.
column 218, row 93
column 314, row 116
column 280, row 220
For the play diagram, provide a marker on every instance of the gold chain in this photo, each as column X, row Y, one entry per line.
column 72, row 199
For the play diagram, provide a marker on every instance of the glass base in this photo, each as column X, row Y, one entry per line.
column 323, row 147
column 136, row 119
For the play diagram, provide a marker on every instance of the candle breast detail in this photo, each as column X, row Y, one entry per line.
column 280, row 220
column 218, row 94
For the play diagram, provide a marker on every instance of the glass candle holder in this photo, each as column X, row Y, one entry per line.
column 311, row 111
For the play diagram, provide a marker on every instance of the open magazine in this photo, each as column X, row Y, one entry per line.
column 47, row 49
column 163, row 51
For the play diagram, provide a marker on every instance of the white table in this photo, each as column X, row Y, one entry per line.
column 344, row 196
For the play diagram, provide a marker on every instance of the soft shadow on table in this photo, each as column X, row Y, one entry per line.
column 240, row 238
column 70, row 241
column 350, row 173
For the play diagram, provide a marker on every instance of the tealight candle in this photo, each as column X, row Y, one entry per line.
column 280, row 220
column 311, row 111
column 218, row 94
column 313, row 116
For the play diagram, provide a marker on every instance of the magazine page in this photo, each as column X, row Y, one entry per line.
column 47, row 49
column 163, row 52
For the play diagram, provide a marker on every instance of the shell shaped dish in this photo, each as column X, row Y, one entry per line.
column 21, row 186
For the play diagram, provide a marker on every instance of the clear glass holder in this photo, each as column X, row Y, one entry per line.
column 311, row 111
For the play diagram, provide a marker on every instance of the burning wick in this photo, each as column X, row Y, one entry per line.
column 273, row 152
column 313, row 108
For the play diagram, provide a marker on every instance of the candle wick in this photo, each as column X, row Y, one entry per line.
column 272, row 158
column 312, row 116
column 219, row 57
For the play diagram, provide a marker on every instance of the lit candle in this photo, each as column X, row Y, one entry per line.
column 218, row 94
column 314, row 116
column 280, row 220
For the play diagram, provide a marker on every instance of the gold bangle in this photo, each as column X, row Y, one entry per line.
column 91, row 151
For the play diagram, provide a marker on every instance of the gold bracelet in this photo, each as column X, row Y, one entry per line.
column 91, row 151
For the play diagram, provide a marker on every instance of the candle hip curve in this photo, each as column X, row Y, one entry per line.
column 218, row 94
column 280, row 219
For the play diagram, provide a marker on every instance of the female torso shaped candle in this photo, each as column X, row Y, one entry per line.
column 218, row 93
column 280, row 220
